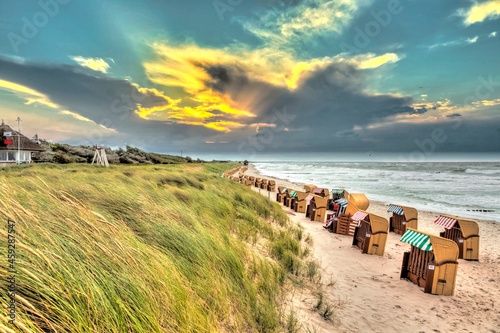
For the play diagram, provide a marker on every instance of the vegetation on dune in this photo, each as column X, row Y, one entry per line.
column 65, row 153
column 160, row 248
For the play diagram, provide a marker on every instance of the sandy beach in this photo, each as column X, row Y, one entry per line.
column 370, row 295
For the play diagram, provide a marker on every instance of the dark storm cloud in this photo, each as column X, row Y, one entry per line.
column 329, row 102
column 449, row 135
column 330, row 111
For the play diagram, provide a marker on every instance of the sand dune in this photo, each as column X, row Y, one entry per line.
column 375, row 299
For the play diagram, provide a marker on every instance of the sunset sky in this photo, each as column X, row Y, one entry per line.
column 244, row 78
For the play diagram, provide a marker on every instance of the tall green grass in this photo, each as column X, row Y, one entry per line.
column 143, row 249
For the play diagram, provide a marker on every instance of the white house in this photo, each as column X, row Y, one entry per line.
column 15, row 148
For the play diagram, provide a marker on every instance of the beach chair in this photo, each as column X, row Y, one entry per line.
column 271, row 186
column 290, row 195
column 258, row 181
column 463, row 232
column 263, row 184
column 316, row 210
column 402, row 218
column 431, row 262
column 280, row 196
column 370, row 235
column 300, row 202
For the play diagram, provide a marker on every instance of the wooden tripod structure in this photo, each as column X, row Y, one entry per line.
column 100, row 157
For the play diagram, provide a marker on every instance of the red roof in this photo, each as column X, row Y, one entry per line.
column 445, row 221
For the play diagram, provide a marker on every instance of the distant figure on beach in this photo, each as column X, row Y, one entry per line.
column 245, row 162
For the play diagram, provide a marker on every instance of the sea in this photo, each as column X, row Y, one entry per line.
column 465, row 189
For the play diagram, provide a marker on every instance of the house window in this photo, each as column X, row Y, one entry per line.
column 25, row 156
column 3, row 156
column 11, row 156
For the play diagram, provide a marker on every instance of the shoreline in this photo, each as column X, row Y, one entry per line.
column 252, row 171
column 375, row 299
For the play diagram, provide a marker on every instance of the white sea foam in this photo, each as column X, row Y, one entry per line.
column 464, row 189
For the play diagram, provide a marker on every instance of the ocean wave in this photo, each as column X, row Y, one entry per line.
column 483, row 172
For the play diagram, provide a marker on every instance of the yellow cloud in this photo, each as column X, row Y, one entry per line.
column 224, row 126
column 32, row 96
column 371, row 61
column 96, row 64
column 76, row 116
column 486, row 102
column 482, row 11
column 438, row 107
column 187, row 67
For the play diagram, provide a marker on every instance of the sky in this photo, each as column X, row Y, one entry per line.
column 256, row 78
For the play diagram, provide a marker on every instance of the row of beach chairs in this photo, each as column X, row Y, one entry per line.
column 432, row 261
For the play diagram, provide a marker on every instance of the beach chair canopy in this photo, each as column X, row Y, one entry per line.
column 292, row 193
column 359, row 200
column 378, row 223
column 337, row 191
column 445, row 250
column 359, row 216
column 309, row 197
column 468, row 227
column 342, row 202
column 417, row 239
column 398, row 210
column 446, row 221
column 283, row 190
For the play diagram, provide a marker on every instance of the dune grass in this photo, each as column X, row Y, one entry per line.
column 169, row 248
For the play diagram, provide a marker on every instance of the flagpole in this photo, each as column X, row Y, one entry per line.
column 18, row 140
